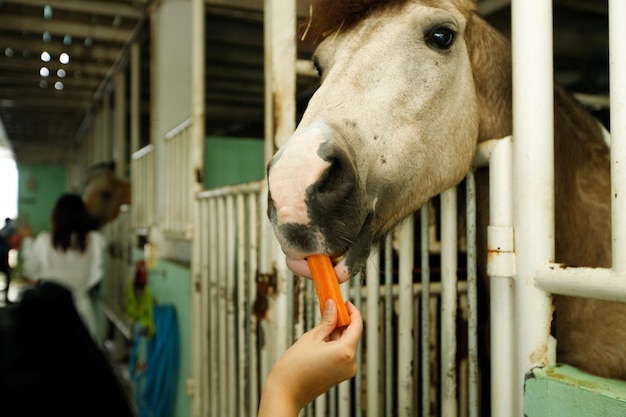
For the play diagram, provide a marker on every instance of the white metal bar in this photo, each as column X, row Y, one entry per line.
column 472, row 298
column 251, row 322
column 405, row 319
column 249, row 187
column 344, row 397
column 433, row 340
column 231, row 312
column 533, row 130
column 280, row 73
column 221, row 342
column 178, row 129
column 388, row 330
column 425, row 306
column 105, row 146
column 599, row 283
column 214, row 397
column 449, row 405
column 371, row 335
column 205, row 316
column 135, row 96
column 501, row 267
column 617, row 73
column 119, row 125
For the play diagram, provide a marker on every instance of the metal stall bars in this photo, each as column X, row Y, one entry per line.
column 413, row 340
column 142, row 186
column 118, row 236
column 405, row 346
column 178, row 210
column 526, row 326
column 229, row 244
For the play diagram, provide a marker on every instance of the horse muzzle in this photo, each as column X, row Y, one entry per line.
column 315, row 203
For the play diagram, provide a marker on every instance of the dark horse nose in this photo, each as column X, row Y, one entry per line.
column 312, row 182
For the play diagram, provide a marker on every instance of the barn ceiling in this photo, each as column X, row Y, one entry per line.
column 43, row 114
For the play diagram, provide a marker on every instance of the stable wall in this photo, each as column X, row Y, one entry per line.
column 39, row 186
column 229, row 161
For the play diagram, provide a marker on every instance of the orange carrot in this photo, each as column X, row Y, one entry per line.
column 327, row 286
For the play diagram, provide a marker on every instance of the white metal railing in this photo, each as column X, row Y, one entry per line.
column 410, row 359
column 532, row 179
column 226, row 246
column 142, row 188
column 178, row 209
column 118, row 270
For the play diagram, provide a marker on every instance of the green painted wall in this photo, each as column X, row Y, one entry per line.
column 233, row 161
column 563, row 391
column 170, row 283
column 39, row 186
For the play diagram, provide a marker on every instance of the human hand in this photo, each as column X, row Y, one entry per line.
column 323, row 357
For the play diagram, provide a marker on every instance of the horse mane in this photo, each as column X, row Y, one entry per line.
column 332, row 16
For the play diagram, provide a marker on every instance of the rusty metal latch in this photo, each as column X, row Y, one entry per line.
column 266, row 284
column 500, row 251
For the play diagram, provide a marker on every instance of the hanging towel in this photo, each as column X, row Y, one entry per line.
column 156, row 379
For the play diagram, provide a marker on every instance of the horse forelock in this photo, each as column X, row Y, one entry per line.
column 330, row 16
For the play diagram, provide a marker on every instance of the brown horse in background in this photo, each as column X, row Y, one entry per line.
column 408, row 89
column 105, row 193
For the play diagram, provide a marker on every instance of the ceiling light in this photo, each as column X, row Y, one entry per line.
column 67, row 39
column 61, row 73
column 47, row 12
column 44, row 72
column 64, row 58
column 58, row 85
column 46, row 36
column 45, row 56
column 43, row 84
column 8, row 52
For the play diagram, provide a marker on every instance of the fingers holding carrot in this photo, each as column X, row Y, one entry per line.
column 327, row 286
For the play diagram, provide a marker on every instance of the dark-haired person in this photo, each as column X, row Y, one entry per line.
column 70, row 254
column 6, row 233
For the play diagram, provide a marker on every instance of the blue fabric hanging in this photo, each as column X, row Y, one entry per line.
column 155, row 381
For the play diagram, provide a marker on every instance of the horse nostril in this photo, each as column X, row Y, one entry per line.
column 271, row 209
column 335, row 186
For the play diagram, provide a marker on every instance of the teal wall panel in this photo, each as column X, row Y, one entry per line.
column 233, row 161
column 39, row 186
column 563, row 391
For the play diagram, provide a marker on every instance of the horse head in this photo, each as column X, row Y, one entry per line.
column 394, row 122
column 105, row 193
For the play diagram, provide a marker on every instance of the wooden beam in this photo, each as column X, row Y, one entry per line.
column 37, row 46
column 302, row 6
column 109, row 8
column 33, row 65
column 58, row 27
column 24, row 80
column 44, row 103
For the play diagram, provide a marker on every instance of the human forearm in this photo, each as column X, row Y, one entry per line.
column 320, row 359
column 274, row 402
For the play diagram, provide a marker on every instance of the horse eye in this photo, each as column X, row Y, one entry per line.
column 441, row 38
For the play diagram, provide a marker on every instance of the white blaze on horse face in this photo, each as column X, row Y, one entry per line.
column 297, row 167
